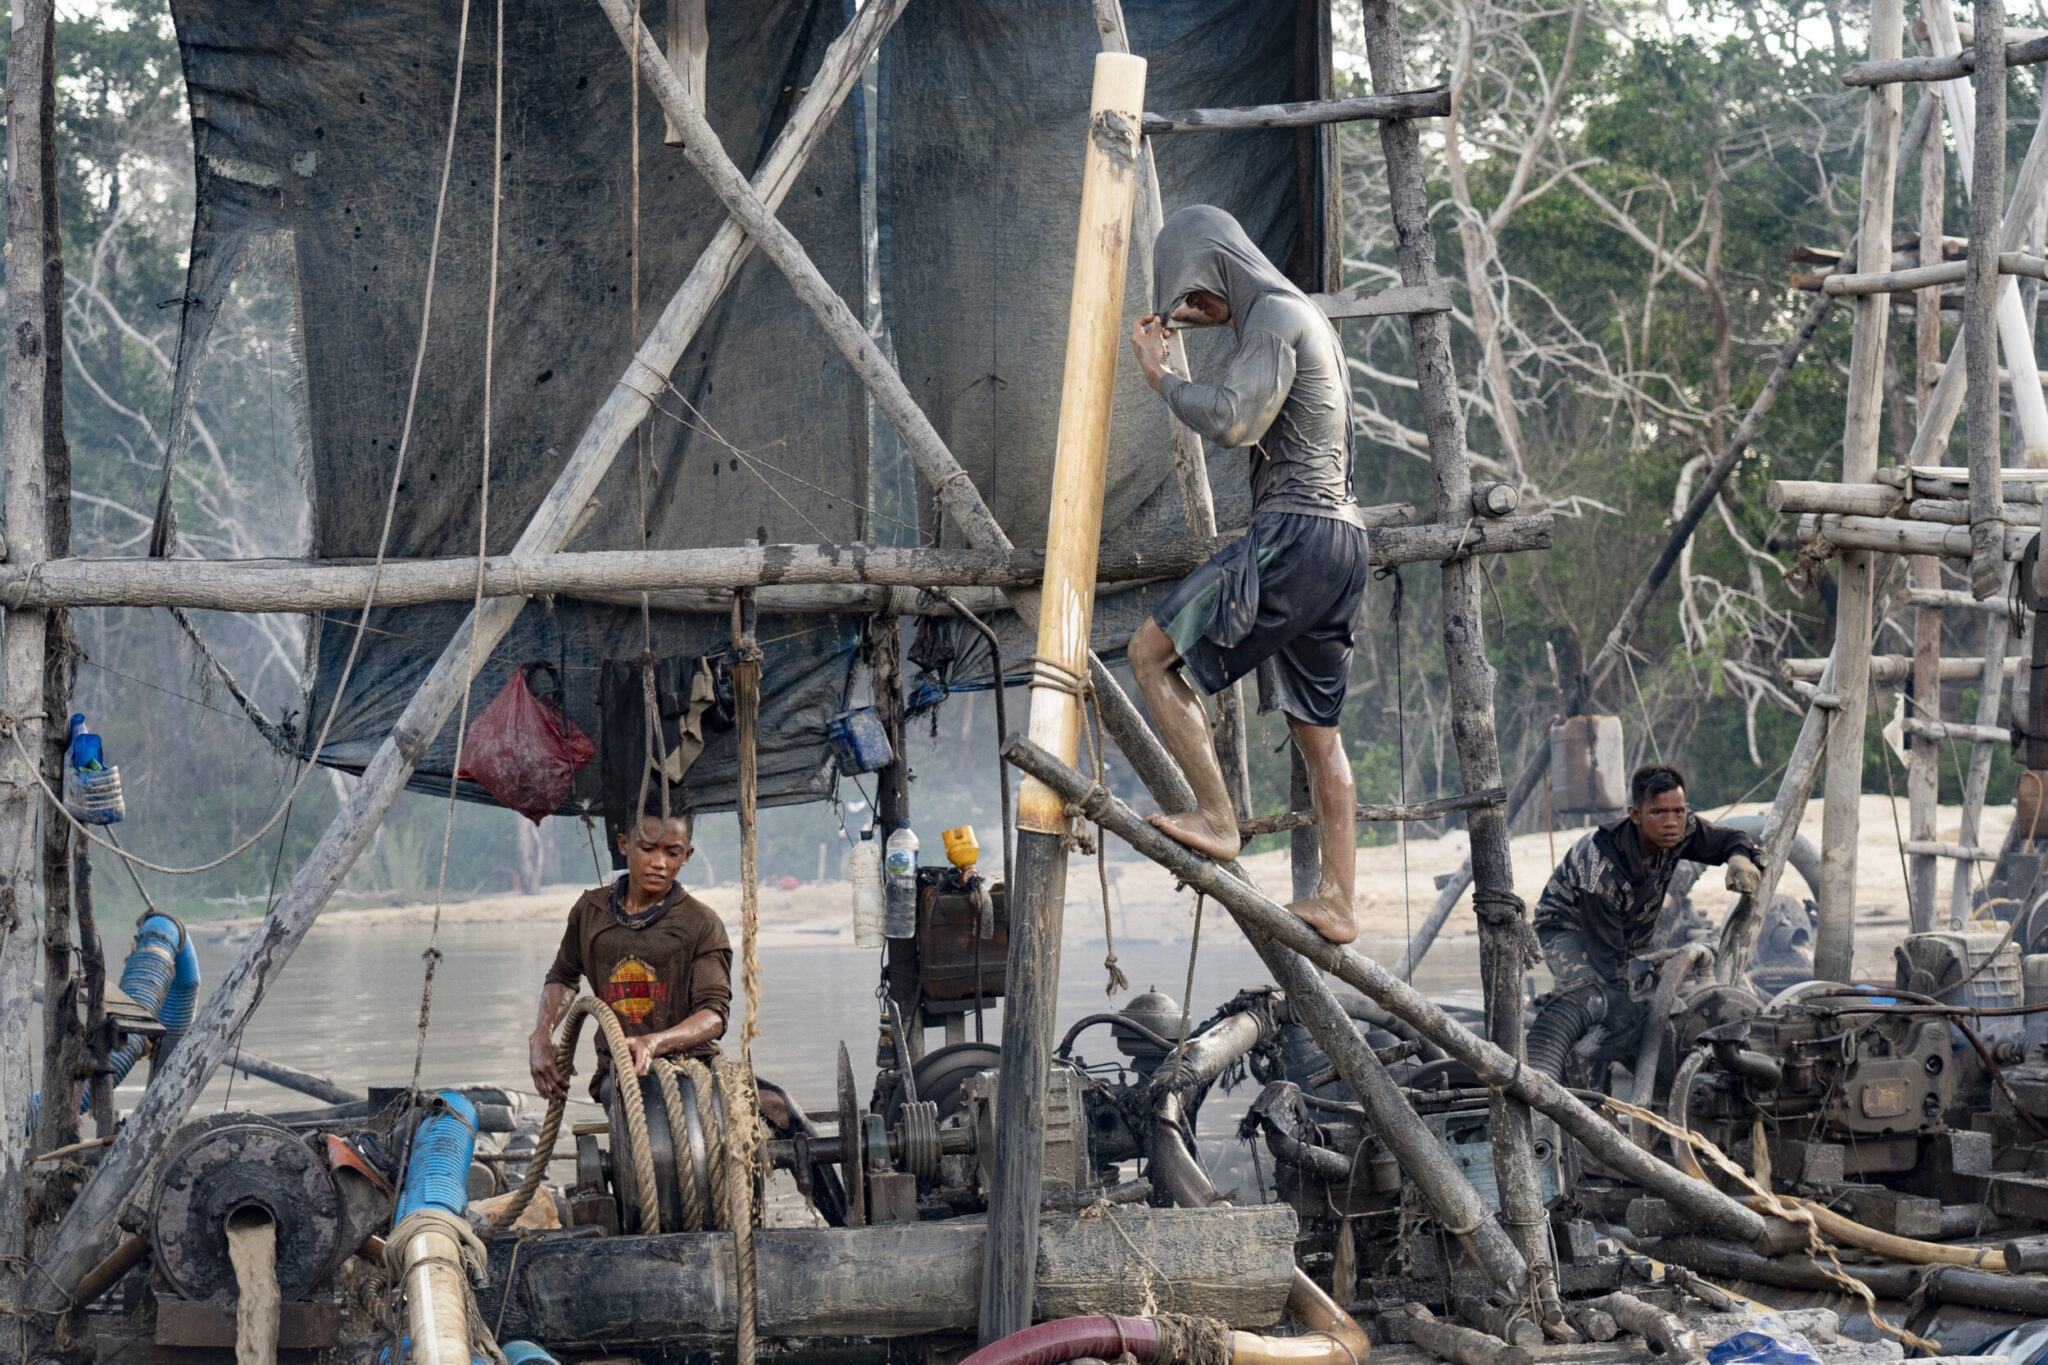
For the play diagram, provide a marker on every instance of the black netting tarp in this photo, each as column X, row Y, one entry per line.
column 328, row 121
column 323, row 124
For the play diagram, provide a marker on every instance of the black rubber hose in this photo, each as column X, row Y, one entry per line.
column 1562, row 1022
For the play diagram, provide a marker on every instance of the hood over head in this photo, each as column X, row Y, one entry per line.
column 1202, row 247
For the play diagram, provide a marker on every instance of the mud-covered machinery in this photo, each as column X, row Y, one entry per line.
column 922, row 1145
column 1851, row 1080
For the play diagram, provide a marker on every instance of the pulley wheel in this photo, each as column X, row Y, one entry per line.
column 232, row 1162
column 660, row 1146
column 852, row 1171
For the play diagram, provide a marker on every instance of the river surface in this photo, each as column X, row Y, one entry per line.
column 347, row 1005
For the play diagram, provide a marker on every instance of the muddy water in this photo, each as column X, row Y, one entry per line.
column 347, row 1005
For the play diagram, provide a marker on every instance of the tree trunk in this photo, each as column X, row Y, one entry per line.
column 1504, row 928
column 32, row 250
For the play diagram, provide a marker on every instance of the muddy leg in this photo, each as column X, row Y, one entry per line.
column 1210, row 828
column 1329, row 910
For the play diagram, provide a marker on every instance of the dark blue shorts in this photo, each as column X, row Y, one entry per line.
column 1287, row 592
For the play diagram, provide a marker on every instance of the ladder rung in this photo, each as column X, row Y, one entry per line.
column 1379, row 303
column 1944, row 729
column 1929, row 848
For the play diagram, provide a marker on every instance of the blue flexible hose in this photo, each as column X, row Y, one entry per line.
column 526, row 1353
column 437, row 1171
column 162, row 976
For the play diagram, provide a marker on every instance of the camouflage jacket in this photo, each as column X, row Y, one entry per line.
column 1605, row 889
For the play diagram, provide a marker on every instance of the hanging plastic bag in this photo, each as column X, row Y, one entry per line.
column 524, row 751
column 1766, row 1341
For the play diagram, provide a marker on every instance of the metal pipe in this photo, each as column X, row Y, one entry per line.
column 1642, row 1086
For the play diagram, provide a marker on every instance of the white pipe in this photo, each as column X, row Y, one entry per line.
column 2015, row 337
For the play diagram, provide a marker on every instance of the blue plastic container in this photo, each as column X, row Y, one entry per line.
column 859, row 742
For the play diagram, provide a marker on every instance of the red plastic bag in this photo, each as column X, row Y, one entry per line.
column 524, row 752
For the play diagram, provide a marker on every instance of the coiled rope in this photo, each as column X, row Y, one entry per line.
column 733, row 1151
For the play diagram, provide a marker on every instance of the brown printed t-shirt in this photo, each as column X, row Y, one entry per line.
column 653, row 977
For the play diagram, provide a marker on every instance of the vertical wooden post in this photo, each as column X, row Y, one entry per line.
column 63, row 1035
column 1991, row 690
column 689, row 43
column 1503, row 919
column 1304, row 844
column 31, row 118
column 1835, row 942
column 892, row 810
column 1923, row 764
column 1190, row 464
column 1066, row 607
column 1981, row 287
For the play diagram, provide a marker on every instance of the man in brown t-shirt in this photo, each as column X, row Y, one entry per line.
column 657, row 955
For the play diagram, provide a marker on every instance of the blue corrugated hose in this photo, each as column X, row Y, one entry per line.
column 516, row 1353
column 437, row 1171
column 162, row 976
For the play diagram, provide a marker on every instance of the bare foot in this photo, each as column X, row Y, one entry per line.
column 1200, row 834
column 1327, row 917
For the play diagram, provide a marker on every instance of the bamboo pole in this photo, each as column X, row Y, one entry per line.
column 1891, row 670
column 30, row 108
column 1261, row 920
column 1835, row 938
column 1991, row 688
column 1190, row 464
column 1503, row 918
column 288, row 585
column 1923, row 759
column 1927, row 276
column 1890, row 535
column 2015, row 339
column 76, row 1246
column 1066, row 606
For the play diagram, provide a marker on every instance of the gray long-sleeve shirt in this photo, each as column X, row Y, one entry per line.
column 1286, row 393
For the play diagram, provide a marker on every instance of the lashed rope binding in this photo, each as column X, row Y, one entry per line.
column 1094, row 802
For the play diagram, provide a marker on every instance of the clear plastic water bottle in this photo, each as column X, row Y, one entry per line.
column 865, row 867
column 899, row 919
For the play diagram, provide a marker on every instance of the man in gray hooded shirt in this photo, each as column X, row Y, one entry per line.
column 1287, row 589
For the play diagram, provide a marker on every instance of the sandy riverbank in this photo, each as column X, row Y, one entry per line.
column 1391, row 897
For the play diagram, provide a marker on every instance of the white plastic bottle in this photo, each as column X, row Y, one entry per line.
column 866, row 870
column 899, row 919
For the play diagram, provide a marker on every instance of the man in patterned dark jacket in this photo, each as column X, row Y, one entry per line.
column 1600, row 908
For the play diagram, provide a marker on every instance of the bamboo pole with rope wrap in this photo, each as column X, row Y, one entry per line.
column 1059, row 678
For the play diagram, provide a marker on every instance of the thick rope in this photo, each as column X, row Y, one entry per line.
column 1059, row 678
column 629, row 1095
column 670, row 1081
column 746, row 691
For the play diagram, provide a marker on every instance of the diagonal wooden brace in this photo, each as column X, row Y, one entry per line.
column 1264, row 921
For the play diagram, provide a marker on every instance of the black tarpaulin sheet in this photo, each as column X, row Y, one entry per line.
column 324, row 123
column 327, row 121
column 984, row 124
